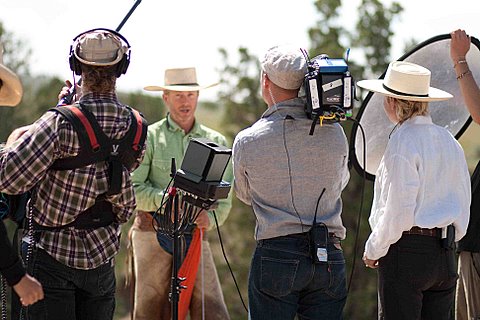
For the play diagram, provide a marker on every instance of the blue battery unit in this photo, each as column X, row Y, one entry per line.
column 332, row 65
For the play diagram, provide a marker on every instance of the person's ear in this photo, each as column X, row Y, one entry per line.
column 265, row 80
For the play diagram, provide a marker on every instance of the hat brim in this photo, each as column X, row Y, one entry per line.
column 11, row 91
column 434, row 94
column 179, row 87
column 100, row 64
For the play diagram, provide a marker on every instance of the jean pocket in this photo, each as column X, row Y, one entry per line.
column 277, row 275
column 106, row 280
column 336, row 268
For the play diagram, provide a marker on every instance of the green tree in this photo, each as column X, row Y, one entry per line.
column 239, row 96
column 240, row 91
column 372, row 37
column 374, row 34
column 152, row 107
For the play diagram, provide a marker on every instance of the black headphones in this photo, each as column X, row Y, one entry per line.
column 121, row 66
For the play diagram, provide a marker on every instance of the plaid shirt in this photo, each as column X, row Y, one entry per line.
column 60, row 196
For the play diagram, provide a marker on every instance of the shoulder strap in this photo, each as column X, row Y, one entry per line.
column 94, row 144
column 81, row 125
column 141, row 130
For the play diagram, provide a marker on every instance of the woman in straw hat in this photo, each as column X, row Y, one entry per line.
column 422, row 198
column 11, row 267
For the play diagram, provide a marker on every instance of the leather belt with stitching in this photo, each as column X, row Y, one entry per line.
column 434, row 232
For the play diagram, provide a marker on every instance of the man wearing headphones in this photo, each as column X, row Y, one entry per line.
column 76, row 211
column 293, row 181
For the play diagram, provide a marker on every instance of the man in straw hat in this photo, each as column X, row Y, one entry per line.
column 11, row 266
column 467, row 301
column 421, row 202
column 152, row 257
column 75, row 215
column 292, row 181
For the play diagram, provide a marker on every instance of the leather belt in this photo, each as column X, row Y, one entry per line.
column 332, row 238
column 434, row 232
column 144, row 222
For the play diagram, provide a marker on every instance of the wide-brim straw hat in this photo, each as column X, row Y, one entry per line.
column 180, row 79
column 406, row 81
column 11, row 90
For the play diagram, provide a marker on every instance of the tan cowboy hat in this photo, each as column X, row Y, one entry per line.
column 406, row 81
column 180, row 79
column 11, row 89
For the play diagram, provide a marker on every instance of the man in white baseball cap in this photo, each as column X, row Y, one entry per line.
column 280, row 171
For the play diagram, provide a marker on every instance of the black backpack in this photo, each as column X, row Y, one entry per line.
column 95, row 146
column 471, row 241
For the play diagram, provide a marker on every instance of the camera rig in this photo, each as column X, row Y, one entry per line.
column 200, row 176
column 329, row 88
column 197, row 186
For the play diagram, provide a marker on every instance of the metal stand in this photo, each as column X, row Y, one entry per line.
column 172, row 222
column 176, row 285
column 173, row 217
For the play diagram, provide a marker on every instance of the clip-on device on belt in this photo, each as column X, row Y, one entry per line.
column 318, row 238
column 318, row 242
column 448, row 237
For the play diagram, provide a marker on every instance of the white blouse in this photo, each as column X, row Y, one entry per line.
column 423, row 181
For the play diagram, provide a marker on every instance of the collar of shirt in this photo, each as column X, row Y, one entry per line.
column 292, row 107
column 103, row 97
column 427, row 119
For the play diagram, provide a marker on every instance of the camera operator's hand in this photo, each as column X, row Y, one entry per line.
column 203, row 222
column 17, row 133
column 29, row 290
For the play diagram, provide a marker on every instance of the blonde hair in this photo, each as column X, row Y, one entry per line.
column 406, row 109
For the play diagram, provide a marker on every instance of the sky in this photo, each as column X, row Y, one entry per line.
column 184, row 33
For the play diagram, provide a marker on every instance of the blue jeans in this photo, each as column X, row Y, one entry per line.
column 71, row 294
column 285, row 282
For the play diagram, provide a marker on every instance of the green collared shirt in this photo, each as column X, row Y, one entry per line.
column 167, row 140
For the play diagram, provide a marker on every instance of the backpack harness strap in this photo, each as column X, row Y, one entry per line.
column 96, row 146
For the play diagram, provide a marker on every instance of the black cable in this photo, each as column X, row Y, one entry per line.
column 316, row 207
column 290, row 172
column 161, row 223
column 355, row 248
column 3, row 297
column 226, row 260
